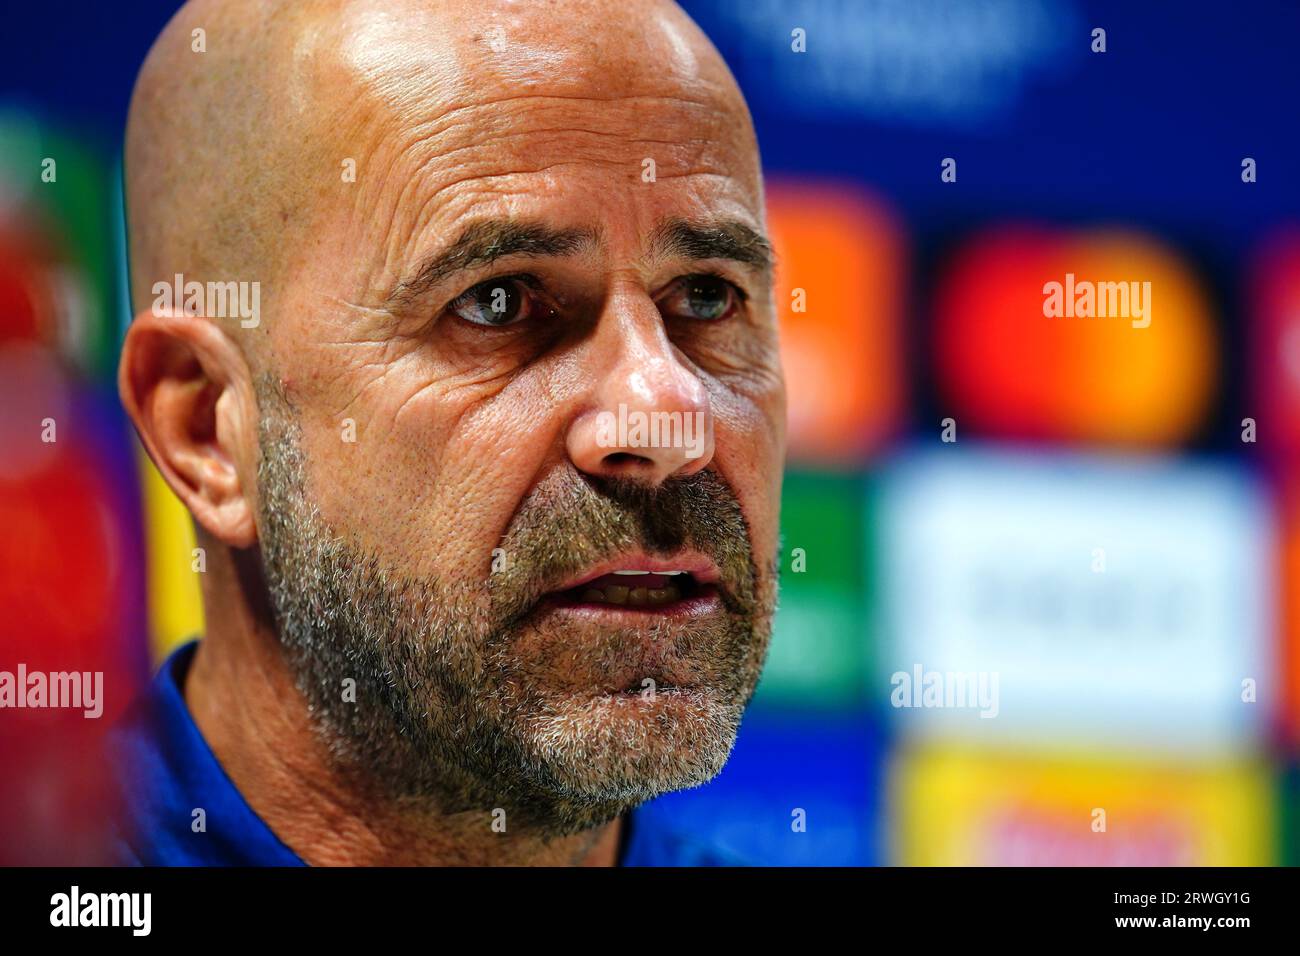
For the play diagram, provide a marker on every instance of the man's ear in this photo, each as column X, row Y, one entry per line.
column 188, row 389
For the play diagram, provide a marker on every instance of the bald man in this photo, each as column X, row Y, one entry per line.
column 454, row 332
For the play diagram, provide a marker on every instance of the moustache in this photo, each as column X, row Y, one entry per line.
column 570, row 521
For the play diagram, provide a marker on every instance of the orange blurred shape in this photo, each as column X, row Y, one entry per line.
column 842, row 353
column 1274, row 290
column 1008, row 370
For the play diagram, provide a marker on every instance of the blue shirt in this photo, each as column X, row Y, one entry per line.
column 166, row 771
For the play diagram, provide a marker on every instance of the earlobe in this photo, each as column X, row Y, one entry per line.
column 187, row 388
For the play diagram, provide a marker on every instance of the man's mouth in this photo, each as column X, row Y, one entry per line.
column 641, row 585
column 635, row 589
column 648, row 617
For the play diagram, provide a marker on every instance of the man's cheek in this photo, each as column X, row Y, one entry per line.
column 750, row 459
column 394, row 415
column 430, row 497
column 768, row 441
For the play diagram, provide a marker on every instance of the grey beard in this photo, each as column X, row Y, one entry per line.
column 445, row 715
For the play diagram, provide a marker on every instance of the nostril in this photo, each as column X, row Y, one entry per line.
column 623, row 460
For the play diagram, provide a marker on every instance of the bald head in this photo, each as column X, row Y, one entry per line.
column 258, row 127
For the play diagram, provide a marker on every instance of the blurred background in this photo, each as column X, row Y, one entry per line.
column 1103, row 519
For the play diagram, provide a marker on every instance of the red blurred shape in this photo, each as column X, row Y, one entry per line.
column 1006, row 369
column 65, row 587
column 18, row 308
column 1274, row 293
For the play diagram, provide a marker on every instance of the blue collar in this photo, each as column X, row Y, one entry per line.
column 179, row 808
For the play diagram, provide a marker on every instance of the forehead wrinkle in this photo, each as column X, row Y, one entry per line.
column 491, row 162
column 475, row 132
column 481, row 126
column 477, row 166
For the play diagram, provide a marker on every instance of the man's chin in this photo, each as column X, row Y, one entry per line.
column 610, row 751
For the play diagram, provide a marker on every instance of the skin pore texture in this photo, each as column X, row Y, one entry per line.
column 393, row 484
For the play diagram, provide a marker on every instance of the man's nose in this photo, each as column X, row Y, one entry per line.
column 649, row 415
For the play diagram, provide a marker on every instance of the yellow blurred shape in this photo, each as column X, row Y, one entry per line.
column 968, row 808
column 175, row 604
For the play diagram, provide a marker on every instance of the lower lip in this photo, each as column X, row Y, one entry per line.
column 702, row 603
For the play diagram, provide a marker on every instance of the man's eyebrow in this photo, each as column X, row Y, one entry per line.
column 486, row 241
column 723, row 239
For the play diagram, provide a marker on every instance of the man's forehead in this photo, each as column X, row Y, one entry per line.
column 513, row 111
column 451, row 51
column 377, row 76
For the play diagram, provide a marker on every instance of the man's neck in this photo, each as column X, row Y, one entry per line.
column 244, row 701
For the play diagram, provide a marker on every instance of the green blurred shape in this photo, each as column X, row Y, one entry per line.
column 1289, row 798
column 75, row 212
column 818, row 655
column 823, row 515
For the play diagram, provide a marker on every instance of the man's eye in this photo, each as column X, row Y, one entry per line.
column 496, row 302
column 702, row 297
